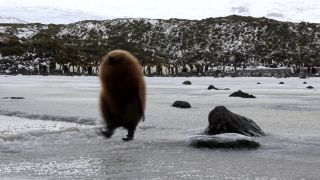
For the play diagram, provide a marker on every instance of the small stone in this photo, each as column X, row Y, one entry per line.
column 181, row 104
column 187, row 83
column 212, row 87
column 241, row 94
column 310, row 87
column 281, row 82
column 13, row 98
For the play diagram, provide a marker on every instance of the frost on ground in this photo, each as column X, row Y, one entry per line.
column 53, row 133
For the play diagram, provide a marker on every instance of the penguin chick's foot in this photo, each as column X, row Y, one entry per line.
column 127, row 138
column 107, row 133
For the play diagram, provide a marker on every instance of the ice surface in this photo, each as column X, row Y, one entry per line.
column 54, row 132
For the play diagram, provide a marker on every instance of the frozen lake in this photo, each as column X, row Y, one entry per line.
column 53, row 133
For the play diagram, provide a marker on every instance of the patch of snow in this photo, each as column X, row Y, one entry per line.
column 2, row 30
column 25, row 32
column 153, row 22
column 20, row 66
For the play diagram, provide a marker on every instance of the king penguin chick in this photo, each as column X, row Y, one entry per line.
column 123, row 93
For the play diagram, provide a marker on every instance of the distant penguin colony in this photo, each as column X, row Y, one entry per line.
column 123, row 93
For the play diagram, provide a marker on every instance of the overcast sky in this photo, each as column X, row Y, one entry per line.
column 291, row 10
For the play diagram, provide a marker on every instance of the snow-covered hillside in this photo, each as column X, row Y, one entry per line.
column 11, row 20
column 171, row 43
column 62, row 11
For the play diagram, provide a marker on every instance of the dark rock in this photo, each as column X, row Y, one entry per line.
column 281, row 82
column 227, row 140
column 187, row 83
column 241, row 94
column 221, row 120
column 212, row 87
column 258, row 83
column 304, row 83
column 13, row 98
column 181, row 104
column 310, row 87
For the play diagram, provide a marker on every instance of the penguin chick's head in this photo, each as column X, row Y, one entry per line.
column 117, row 61
column 118, row 57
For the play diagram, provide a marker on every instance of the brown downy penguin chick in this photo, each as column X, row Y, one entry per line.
column 123, row 94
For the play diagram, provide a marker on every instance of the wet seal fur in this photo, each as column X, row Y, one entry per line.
column 123, row 93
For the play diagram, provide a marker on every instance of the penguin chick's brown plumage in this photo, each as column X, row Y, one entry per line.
column 123, row 94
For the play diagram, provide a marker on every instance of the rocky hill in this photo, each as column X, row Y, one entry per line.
column 175, row 44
